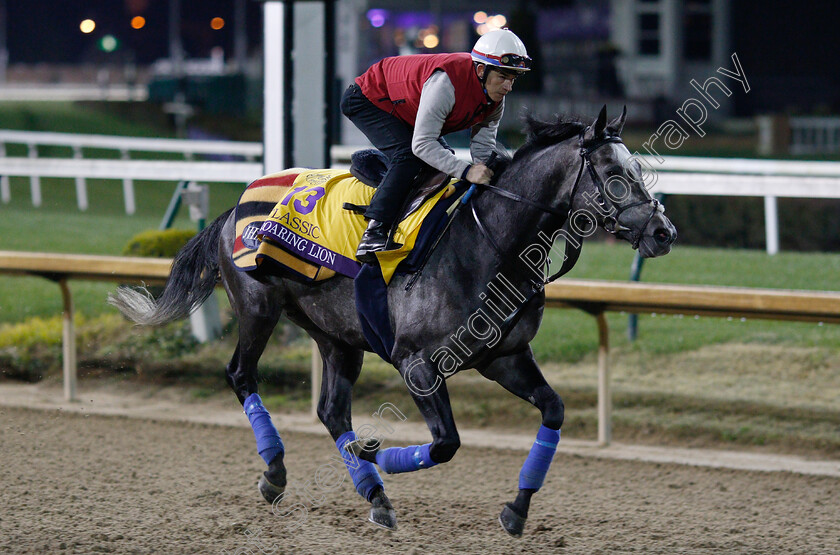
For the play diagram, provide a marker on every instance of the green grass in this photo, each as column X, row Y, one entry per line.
column 716, row 143
column 570, row 335
column 70, row 117
column 704, row 266
column 58, row 226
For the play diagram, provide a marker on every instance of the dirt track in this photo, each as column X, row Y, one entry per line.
column 110, row 484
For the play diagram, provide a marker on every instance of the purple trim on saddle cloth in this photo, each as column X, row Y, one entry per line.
column 309, row 250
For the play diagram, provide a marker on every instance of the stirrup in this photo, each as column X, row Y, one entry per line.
column 368, row 256
column 375, row 239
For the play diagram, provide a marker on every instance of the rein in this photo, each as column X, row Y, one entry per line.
column 611, row 223
column 575, row 242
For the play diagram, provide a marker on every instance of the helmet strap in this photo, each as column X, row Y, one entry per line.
column 483, row 78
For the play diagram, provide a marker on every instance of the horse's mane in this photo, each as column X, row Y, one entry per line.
column 540, row 134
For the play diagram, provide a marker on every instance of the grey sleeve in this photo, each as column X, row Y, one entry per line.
column 483, row 135
column 436, row 102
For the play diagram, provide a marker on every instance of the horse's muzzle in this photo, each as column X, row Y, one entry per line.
column 658, row 237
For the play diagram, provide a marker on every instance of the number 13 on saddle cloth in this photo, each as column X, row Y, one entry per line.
column 308, row 232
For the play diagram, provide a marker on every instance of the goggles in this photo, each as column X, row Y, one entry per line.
column 515, row 61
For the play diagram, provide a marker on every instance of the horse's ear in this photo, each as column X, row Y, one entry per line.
column 597, row 127
column 615, row 126
column 600, row 123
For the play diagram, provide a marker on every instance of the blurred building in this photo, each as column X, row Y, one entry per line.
column 587, row 53
column 642, row 51
column 663, row 44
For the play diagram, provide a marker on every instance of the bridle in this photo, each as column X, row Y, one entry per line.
column 611, row 223
column 613, row 211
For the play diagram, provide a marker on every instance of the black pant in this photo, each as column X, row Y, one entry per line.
column 392, row 136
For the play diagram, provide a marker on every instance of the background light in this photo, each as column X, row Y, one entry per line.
column 377, row 17
column 217, row 23
column 109, row 43
column 137, row 22
column 87, row 26
column 488, row 22
column 431, row 41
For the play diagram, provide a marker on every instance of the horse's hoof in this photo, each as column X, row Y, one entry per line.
column 511, row 522
column 382, row 512
column 386, row 518
column 270, row 491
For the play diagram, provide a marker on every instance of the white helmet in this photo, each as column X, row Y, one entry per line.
column 501, row 48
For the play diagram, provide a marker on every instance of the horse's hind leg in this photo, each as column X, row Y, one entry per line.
column 520, row 375
column 342, row 365
column 257, row 320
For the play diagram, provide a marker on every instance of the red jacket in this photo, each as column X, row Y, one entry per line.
column 394, row 84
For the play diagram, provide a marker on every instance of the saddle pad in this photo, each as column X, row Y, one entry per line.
column 254, row 206
column 310, row 222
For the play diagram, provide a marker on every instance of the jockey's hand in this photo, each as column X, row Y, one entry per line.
column 480, row 174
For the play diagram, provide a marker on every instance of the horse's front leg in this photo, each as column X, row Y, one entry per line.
column 428, row 389
column 520, row 375
column 341, row 370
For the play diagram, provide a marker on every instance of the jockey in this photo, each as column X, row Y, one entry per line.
column 404, row 105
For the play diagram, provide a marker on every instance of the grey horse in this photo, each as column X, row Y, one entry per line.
column 477, row 304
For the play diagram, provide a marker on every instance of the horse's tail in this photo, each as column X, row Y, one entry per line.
column 193, row 277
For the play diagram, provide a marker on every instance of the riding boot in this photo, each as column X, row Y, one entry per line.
column 374, row 240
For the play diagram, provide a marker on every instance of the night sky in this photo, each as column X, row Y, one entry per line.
column 48, row 30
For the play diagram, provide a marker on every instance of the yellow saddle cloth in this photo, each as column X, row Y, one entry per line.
column 310, row 225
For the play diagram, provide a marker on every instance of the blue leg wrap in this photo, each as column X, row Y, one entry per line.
column 405, row 459
column 364, row 474
column 269, row 443
column 539, row 459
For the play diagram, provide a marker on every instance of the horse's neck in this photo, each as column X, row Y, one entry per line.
column 515, row 226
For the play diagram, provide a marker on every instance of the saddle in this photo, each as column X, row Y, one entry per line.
column 370, row 166
column 295, row 223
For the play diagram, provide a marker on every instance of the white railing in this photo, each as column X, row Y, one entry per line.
column 677, row 175
column 155, row 170
column 125, row 169
column 769, row 179
column 814, row 135
column 73, row 92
